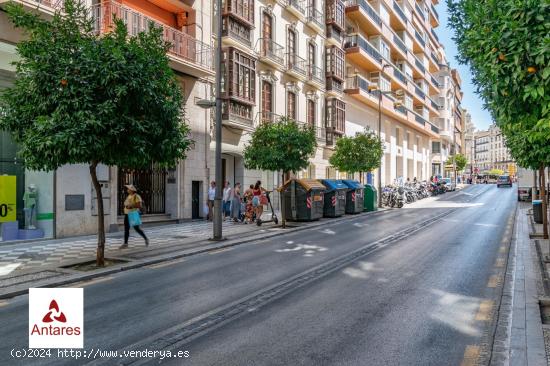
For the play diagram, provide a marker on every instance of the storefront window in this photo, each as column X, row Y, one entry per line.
column 26, row 197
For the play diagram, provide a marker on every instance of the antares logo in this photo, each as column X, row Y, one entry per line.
column 56, row 318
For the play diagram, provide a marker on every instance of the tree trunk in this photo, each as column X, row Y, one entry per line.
column 543, row 197
column 100, row 255
column 281, row 195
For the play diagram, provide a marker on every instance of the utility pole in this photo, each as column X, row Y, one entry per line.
column 217, row 234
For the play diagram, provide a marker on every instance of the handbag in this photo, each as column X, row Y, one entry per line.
column 133, row 218
column 263, row 199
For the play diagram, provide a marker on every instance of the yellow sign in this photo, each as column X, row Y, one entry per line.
column 7, row 198
column 511, row 169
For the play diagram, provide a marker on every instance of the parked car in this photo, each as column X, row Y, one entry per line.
column 449, row 184
column 504, row 180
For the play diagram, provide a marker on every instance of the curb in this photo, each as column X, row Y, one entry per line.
column 23, row 289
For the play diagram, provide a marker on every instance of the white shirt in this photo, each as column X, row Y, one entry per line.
column 211, row 193
column 227, row 194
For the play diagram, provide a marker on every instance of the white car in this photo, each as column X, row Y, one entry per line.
column 449, row 184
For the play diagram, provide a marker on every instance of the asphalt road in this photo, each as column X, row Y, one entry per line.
column 403, row 287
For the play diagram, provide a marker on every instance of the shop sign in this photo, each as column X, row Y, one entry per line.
column 7, row 198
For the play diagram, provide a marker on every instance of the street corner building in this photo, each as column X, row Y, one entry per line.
column 331, row 64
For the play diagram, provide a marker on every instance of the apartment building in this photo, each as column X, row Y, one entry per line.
column 66, row 199
column 392, row 58
column 274, row 58
column 491, row 152
column 449, row 120
column 468, row 141
column 331, row 64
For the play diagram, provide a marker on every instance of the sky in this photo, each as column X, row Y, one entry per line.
column 471, row 101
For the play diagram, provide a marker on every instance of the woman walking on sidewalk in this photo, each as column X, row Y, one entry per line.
column 236, row 202
column 132, row 204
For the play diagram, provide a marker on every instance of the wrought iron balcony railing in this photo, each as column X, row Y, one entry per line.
column 182, row 45
column 296, row 64
column 272, row 50
column 316, row 17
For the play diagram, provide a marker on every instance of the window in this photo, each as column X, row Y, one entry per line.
column 243, row 9
column 335, row 62
column 241, row 76
column 385, row 50
column 310, row 112
column 336, row 115
column 384, row 84
column 436, row 147
column 291, row 105
column 267, row 100
column 335, row 13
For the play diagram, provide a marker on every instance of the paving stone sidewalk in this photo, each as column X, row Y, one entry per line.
column 23, row 256
column 527, row 343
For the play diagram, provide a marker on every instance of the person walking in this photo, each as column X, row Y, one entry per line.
column 132, row 203
column 236, row 202
column 227, row 200
column 257, row 193
column 249, row 207
column 211, row 197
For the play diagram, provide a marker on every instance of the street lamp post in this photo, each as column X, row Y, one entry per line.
column 207, row 104
column 380, row 92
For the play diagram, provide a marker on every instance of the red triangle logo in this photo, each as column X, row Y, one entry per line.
column 48, row 317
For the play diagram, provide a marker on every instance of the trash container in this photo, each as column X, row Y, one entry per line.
column 371, row 198
column 303, row 199
column 537, row 211
column 354, row 196
column 335, row 198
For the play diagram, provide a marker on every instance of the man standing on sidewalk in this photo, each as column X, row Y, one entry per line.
column 227, row 199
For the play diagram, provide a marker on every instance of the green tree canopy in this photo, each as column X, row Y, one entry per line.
column 506, row 43
column 281, row 146
column 81, row 97
column 360, row 153
column 461, row 161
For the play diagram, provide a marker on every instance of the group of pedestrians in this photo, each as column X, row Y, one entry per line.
column 243, row 206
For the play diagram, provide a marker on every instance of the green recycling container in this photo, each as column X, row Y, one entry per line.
column 371, row 198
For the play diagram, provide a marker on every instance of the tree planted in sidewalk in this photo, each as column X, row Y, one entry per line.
column 460, row 159
column 84, row 98
column 283, row 145
column 358, row 154
column 506, row 45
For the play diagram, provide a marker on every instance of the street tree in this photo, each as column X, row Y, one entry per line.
column 506, row 43
column 282, row 146
column 358, row 154
column 82, row 97
column 460, row 159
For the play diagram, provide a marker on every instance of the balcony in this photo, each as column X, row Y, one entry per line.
column 420, row 66
column 335, row 36
column 334, row 87
column 45, row 7
column 358, row 87
column 359, row 50
column 236, row 119
column 296, row 7
column 316, row 19
column 434, row 18
column 420, row 41
column 315, row 75
column 400, row 77
column 236, row 34
column 295, row 65
column 399, row 42
column 419, row 11
column 419, row 119
column 271, row 53
column 398, row 18
column 434, row 35
column 419, row 92
column 267, row 117
column 186, row 54
column 365, row 15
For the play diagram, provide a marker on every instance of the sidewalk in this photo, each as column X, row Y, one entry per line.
column 24, row 256
column 522, row 317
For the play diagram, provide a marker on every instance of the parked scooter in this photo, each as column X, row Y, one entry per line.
column 274, row 217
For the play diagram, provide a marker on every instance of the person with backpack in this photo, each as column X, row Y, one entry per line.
column 132, row 205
